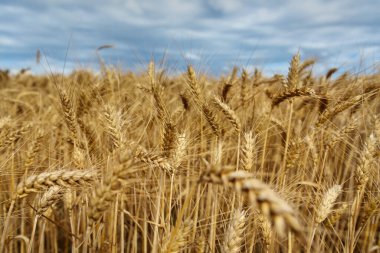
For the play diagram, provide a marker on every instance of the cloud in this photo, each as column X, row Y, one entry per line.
column 220, row 33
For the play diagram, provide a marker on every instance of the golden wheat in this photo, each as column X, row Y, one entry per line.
column 134, row 161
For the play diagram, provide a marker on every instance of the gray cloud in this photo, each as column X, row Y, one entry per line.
column 218, row 33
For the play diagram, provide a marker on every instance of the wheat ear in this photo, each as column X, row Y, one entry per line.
column 235, row 231
column 305, row 65
column 211, row 119
column 169, row 138
column 363, row 171
column 247, row 151
column 68, row 112
column 175, row 241
column 229, row 113
column 330, row 72
column 293, row 74
column 301, row 92
column 330, row 113
column 50, row 197
column 113, row 123
column 104, row 193
column 266, row 231
column 325, row 207
column 193, row 85
column 153, row 160
column 336, row 215
column 63, row 178
column 14, row 136
column 243, row 90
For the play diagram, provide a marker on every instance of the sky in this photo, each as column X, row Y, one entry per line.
column 212, row 35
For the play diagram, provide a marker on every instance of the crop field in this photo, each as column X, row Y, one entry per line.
column 147, row 161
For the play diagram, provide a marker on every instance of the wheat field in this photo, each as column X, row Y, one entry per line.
column 115, row 161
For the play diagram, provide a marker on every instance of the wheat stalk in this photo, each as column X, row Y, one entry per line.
column 50, row 197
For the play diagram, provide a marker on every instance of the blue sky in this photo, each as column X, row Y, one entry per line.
column 213, row 35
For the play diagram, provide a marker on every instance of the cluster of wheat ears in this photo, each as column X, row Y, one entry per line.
column 151, row 162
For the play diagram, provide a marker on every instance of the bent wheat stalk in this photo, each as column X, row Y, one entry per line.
column 260, row 194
